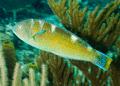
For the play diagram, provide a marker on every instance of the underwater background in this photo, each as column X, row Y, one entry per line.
column 96, row 21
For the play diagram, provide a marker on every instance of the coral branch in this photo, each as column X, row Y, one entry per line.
column 17, row 75
column 101, row 27
column 25, row 82
column 44, row 75
column 32, row 77
column 3, row 69
column 63, row 73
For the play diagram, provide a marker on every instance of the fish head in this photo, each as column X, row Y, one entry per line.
column 32, row 31
column 22, row 29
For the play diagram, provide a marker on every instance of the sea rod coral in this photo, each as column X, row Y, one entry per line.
column 12, row 72
column 100, row 27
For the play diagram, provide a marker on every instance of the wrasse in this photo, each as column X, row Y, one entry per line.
column 48, row 37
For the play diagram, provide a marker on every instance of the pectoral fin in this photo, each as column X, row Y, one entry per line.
column 39, row 33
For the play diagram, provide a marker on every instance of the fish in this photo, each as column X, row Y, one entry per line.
column 50, row 38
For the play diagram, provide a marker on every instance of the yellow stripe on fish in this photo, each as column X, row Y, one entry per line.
column 50, row 38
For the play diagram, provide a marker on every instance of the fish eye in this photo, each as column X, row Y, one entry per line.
column 20, row 26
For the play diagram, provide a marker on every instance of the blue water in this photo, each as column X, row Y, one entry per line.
column 40, row 6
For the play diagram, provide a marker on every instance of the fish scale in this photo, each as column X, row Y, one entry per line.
column 50, row 38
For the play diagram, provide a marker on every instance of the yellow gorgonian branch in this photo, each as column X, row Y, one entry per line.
column 101, row 26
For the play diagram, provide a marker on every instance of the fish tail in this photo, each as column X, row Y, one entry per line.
column 103, row 61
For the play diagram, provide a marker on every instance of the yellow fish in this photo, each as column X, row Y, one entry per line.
column 48, row 37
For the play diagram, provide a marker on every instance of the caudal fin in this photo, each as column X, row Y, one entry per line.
column 103, row 61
